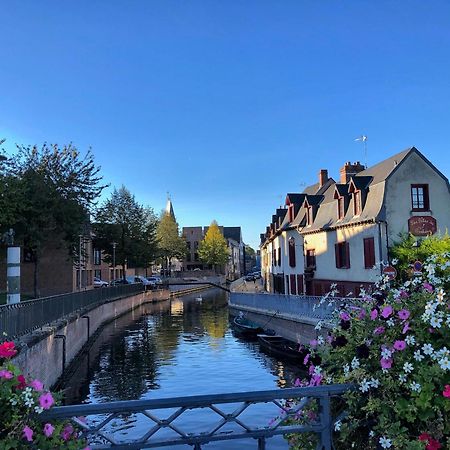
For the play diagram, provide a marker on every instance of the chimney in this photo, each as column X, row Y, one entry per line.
column 323, row 177
column 349, row 170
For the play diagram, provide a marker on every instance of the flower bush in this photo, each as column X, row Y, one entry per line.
column 393, row 345
column 22, row 401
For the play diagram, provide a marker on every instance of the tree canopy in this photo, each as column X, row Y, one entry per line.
column 214, row 248
column 122, row 220
column 170, row 243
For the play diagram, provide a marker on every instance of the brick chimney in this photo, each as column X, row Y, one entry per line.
column 349, row 170
column 323, row 177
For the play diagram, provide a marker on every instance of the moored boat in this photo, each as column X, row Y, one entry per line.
column 247, row 328
column 282, row 348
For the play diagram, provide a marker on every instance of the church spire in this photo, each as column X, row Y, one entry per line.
column 169, row 207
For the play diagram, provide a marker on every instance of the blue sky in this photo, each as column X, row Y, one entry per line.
column 230, row 104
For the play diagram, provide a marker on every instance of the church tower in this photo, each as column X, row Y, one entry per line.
column 169, row 208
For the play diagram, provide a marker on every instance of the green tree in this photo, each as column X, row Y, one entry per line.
column 214, row 248
column 250, row 258
column 170, row 243
column 49, row 193
column 122, row 220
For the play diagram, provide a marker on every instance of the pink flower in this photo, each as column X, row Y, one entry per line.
column 404, row 294
column 28, row 434
column 306, row 359
column 400, row 345
column 297, row 382
column 316, row 379
column 67, row 432
column 37, row 385
column 446, row 391
column 386, row 363
column 387, row 311
column 312, row 367
column 406, row 328
column 345, row 316
column 46, row 400
column 48, row 429
column 313, row 343
column 404, row 314
column 362, row 314
column 22, row 382
column 373, row 314
column 7, row 350
column 428, row 287
column 378, row 330
column 6, row 374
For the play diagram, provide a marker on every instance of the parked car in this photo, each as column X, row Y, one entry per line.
column 120, row 281
column 98, row 283
column 140, row 279
column 257, row 275
column 249, row 277
column 155, row 280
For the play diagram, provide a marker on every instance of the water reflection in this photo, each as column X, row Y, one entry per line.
column 174, row 348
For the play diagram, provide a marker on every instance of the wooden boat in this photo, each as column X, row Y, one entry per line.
column 247, row 328
column 282, row 348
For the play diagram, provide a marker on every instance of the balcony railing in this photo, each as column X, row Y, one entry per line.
column 169, row 422
column 21, row 318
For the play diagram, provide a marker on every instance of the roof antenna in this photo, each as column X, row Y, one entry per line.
column 363, row 139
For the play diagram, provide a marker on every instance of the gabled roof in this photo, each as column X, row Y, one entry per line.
column 294, row 198
column 359, row 183
column 313, row 200
column 340, row 190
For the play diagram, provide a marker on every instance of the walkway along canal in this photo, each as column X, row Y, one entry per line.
column 180, row 347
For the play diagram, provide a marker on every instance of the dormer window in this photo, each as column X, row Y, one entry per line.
column 291, row 213
column 341, row 208
column 357, row 203
column 309, row 215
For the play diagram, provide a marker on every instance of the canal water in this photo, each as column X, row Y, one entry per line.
column 180, row 347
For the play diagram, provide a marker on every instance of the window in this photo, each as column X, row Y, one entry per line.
column 98, row 273
column 291, row 213
column 196, row 257
column 97, row 257
column 357, row 203
column 287, row 284
column 341, row 208
column 311, row 258
column 274, row 257
column 419, row 197
column 342, row 253
column 309, row 215
column 188, row 257
column 293, row 285
column 292, row 252
column 279, row 256
column 369, row 253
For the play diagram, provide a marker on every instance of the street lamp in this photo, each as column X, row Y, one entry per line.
column 114, row 260
column 79, row 262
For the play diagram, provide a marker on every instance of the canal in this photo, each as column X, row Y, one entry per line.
column 180, row 347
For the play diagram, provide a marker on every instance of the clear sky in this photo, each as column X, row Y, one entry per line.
column 226, row 104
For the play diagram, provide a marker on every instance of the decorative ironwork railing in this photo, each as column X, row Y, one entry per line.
column 138, row 424
column 21, row 318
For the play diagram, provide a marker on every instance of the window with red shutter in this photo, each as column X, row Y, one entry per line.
column 357, row 203
column 299, row 284
column 369, row 253
column 311, row 258
column 420, row 200
column 292, row 252
column 342, row 254
column 293, row 285
column 341, row 209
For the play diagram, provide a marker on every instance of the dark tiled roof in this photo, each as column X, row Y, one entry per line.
column 232, row 233
column 295, row 198
column 361, row 182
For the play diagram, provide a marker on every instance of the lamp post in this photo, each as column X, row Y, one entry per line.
column 79, row 262
column 114, row 260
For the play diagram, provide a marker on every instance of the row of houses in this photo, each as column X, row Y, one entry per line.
column 339, row 232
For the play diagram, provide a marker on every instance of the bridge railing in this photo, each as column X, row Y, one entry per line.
column 137, row 424
column 288, row 305
column 21, row 318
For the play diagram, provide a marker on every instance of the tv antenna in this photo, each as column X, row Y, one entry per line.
column 363, row 139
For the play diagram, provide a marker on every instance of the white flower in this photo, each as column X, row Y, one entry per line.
column 440, row 296
column 402, row 378
column 410, row 340
column 320, row 340
column 38, row 409
column 13, row 401
column 29, row 402
column 346, row 369
column 365, row 385
column 408, row 367
column 415, row 387
column 394, row 262
column 329, row 380
column 371, row 433
column 374, row 382
column 390, row 322
column 355, row 363
column 317, row 370
column 443, row 352
column 386, row 353
column 435, row 322
column 337, row 426
column 318, row 325
column 418, row 356
column 385, row 442
column 444, row 363
column 427, row 349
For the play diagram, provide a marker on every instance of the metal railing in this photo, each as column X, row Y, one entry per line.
column 21, row 318
column 288, row 305
column 104, row 425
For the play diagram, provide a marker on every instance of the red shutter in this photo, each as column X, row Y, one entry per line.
column 292, row 252
column 299, row 284
column 369, row 253
column 347, row 255
column 293, row 285
column 279, row 256
column 287, row 285
column 337, row 255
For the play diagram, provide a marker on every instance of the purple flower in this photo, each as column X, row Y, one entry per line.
column 362, row 314
column 386, row 363
column 428, row 287
column 313, row 343
column 37, row 385
column 387, row 311
column 315, row 380
column 403, row 314
column 6, row 374
column 67, row 432
column 28, row 434
column 297, row 382
column 345, row 316
column 373, row 314
column 46, row 400
column 306, row 359
column 400, row 345
column 378, row 330
column 48, row 429
column 406, row 328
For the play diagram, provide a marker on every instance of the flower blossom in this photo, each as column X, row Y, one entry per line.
column 403, row 314
column 408, row 367
column 373, row 314
column 48, row 429
column 400, row 345
column 446, row 391
column 37, row 385
column 7, row 350
column 385, row 442
column 66, row 433
column 46, row 400
column 28, row 434
column 379, row 330
column 387, row 311
column 386, row 363
column 6, row 374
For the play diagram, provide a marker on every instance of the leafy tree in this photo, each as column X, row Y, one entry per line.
column 49, row 192
column 409, row 249
column 250, row 258
column 214, row 248
column 121, row 219
column 170, row 243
